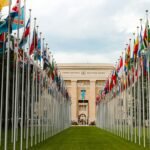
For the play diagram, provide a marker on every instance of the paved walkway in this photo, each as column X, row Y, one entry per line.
column 87, row 138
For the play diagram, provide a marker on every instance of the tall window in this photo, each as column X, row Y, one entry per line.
column 82, row 108
column 83, row 93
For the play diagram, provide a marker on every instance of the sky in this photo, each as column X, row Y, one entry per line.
column 88, row 31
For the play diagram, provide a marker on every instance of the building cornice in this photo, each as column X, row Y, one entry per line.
column 85, row 66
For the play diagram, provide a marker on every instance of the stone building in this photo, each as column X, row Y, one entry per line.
column 84, row 82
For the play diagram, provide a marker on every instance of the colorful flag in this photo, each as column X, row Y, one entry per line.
column 25, row 35
column 120, row 67
column 18, row 21
column 4, row 24
column 141, row 44
column 16, row 7
column 39, row 49
column 145, row 37
column 34, row 43
column 136, row 47
column 3, row 3
column 2, row 42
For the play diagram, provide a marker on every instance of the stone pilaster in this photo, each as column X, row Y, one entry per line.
column 92, row 107
column 74, row 105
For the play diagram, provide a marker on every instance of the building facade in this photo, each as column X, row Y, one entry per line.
column 84, row 82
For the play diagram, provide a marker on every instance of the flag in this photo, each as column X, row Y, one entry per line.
column 120, row 67
column 25, row 35
column 148, row 36
column 18, row 21
column 16, row 7
column 39, row 49
column 34, row 43
column 37, row 52
column 3, row 3
column 145, row 36
column 127, row 59
column 2, row 42
column 141, row 44
column 136, row 47
column 52, row 70
column 4, row 24
column 2, row 37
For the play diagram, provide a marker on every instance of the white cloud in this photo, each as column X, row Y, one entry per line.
column 76, row 57
column 97, row 29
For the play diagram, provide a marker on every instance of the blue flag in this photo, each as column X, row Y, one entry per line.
column 18, row 20
column 4, row 24
column 39, row 49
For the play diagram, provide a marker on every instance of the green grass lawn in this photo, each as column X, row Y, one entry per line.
column 87, row 138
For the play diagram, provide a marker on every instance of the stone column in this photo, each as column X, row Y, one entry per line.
column 74, row 100
column 92, row 107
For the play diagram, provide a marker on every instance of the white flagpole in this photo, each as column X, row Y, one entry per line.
column 43, row 90
column 16, row 86
column 143, row 103
column 36, row 87
column 7, row 81
column 33, row 94
column 28, row 88
column 13, row 95
column 22, row 96
column 40, row 74
column 139, row 101
column 134, row 99
column 2, row 90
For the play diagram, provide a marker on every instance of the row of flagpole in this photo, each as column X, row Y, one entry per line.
column 34, row 102
column 123, row 106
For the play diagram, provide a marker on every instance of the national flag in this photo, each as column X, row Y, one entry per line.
column 120, row 68
column 34, row 43
column 4, row 24
column 136, row 47
column 16, row 7
column 145, row 37
column 3, row 3
column 127, row 59
column 52, row 70
column 44, row 54
column 145, row 69
column 25, row 35
column 18, row 21
column 141, row 44
column 39, row 49
column 2, row 37
column 2, row 42
column 121, row 62
column 148, row 36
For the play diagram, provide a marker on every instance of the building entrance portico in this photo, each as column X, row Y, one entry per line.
column 84, row 82
column 83, row 112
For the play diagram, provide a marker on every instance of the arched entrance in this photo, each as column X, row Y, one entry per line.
column 82, row 119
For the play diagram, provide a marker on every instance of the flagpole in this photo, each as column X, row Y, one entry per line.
column 135, row 104
column 128, row 90
column 7, row 81
column 28, row 93
column 16, row 84
column 148, row 82
column 22, row 96
column 131, row 101
column 13, row 95
column 43, row 76
column 40, row 73
column 33, row 93
column 143, row 101
column 36, row 94
column 2, row 90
